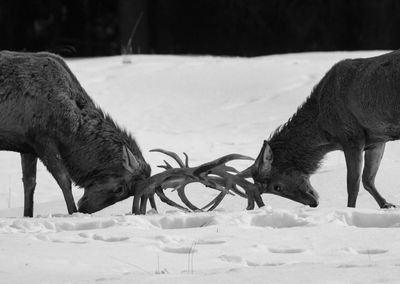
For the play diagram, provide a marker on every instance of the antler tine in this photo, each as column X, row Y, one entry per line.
column 218, row 200
column 226, row 168
column 215, row 202
column 168, row 165
column 220, row 161
column 232, row 187
column 229, row 169
column 238, row 192
column 185, row 200
column 165, row 199
column 186, row 160
column 172, row 155
column 254, row 196
column 246, row 173
column 163, row 167
column 232, row 180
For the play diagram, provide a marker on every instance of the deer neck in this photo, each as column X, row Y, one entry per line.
column 300, row 143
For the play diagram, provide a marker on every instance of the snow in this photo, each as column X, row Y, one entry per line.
column 207, row 107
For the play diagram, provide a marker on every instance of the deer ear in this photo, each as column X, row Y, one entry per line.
column 267, row 153
column 263, row 163
column 130, row 163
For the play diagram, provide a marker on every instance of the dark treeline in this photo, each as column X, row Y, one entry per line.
column 218, row 27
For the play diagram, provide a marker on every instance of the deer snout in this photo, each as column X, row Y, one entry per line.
column 312, row 198
column 314, row 204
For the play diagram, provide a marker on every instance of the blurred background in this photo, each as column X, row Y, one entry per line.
column 83, row 28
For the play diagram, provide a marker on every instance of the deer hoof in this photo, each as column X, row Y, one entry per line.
column 388, row 205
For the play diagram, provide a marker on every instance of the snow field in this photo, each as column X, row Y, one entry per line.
column 207, row 107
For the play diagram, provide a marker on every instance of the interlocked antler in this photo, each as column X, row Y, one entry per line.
column 215, row 174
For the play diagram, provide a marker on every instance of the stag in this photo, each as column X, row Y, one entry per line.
column 46, row 114
column 354, row 108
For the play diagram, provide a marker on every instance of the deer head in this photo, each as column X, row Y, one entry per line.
column 291, row 184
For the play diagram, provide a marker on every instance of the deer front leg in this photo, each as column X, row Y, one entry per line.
column 51, row 158
column 354, row 160
column 373, row 159
column 28, row 163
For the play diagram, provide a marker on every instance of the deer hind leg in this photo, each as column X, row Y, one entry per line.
column 28, row 163
column 354, row 160
column 373, row 159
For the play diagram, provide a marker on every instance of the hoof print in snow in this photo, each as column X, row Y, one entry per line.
column 181, row 250
column 350, row 265
column 255, row 264
column 287, row 250
column 210, row 242
column 232, row 259
column 373, row 251
column 98, row 237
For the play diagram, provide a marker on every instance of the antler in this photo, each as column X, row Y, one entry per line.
column 215, row 174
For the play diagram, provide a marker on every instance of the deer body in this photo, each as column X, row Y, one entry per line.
column 46, row 114
column 354, row 108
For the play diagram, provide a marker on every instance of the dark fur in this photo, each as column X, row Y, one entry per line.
column 44, row 111
column 295, row 144
column 354, row 108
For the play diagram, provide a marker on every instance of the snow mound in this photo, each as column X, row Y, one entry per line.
column 258, row 218
column 370, row 218
column 264, row 217
column 78, row 222
column 267, row 217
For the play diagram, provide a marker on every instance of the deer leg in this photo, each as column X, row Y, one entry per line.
column 373, row 159
column 28, row 163
column 354, row 160
column 51, row 158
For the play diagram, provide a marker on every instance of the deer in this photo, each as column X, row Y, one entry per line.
column 354, row 108
column 46, row 114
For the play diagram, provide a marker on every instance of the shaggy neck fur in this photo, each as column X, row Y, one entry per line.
column 296, row 145
column 95, row 152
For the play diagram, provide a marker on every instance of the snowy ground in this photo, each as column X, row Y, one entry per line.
column 207, row 107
